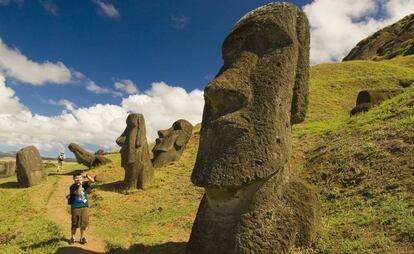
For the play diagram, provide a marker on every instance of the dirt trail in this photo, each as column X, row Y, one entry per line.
column 58, row 211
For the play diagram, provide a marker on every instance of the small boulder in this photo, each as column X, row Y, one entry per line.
column 30, row 169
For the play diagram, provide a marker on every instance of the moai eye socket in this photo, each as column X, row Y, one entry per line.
column 258, row 38
column 177, row 126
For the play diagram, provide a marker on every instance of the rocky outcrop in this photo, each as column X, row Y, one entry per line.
column 29, row 165
column 251, row 203
column 389, row 42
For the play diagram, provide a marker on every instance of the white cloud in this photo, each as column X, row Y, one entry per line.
column 126, row 86
column 96, row 125
column 107, row 9
column 94, row 88
column 9, row 104
column 163, row 104
column 70, row 106
column 338, row 25
column 15, row 65
column 50, row 7
column 180, row 22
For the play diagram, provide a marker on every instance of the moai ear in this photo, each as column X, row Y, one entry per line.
column 181, row 140
column 301, row 87
column 141, row 132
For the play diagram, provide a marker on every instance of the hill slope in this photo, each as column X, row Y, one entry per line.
column 364, row 173
column 389, row 42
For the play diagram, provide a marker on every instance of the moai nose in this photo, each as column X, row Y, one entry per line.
column 225, row 96
column 162, row 133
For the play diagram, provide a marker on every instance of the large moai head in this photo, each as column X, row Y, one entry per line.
column 29, row 167
column 133, row 137
column 171, row 142
column 256, row 96
column 82, row 156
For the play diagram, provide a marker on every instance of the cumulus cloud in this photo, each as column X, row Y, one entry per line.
column 107, row 9
column 180, row 22
column 9, row 103
column 50, row 7
column 69, row 106
column 126, row 86
column 96, row 125
column 338, row 25
column 15, row 65
column 163, row 104
column 94, row 88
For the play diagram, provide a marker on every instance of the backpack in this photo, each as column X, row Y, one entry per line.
column 69, row 198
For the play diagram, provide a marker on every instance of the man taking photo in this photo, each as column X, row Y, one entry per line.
column 78, row 199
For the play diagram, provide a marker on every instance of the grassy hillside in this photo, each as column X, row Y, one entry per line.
column 362, row 168
column 364, row 173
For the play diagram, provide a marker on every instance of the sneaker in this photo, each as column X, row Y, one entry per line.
column 71, row 241
column 82, row 240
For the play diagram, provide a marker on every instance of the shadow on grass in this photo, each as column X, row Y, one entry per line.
column 9, row 185
column 75, row 250
column 44, row 243
column 114, row 186
column 164, row 248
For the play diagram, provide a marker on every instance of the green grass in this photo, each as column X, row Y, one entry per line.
column 363, row 171
column 162, row 213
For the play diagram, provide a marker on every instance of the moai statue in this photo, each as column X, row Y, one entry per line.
column 251, row 203
column 7, row 168
column 170, row 143
column 369, row 98
column 135, row 158
column 86, row 158
column 29, row 165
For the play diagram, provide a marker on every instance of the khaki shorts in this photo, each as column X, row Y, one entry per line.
column 80, row 217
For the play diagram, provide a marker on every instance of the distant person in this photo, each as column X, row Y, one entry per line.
column 61, row 158
column 78, row 200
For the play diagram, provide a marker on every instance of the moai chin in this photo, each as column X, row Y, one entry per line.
column 171, row 142
column 250, row 204
column 135, row 158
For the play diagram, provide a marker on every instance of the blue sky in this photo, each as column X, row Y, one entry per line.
column 70, row 71
column 177, row 42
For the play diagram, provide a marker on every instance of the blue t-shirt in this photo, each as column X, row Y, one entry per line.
column 81, row 200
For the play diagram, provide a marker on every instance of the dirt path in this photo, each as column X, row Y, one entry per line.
column 58, row 211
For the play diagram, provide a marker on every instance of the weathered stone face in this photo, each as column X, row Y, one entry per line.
column 251, row 203
column 30, row 169
column 250, row 105
column 135, row 157
column 7, row 168
column 86, row 158
column 170, row 143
